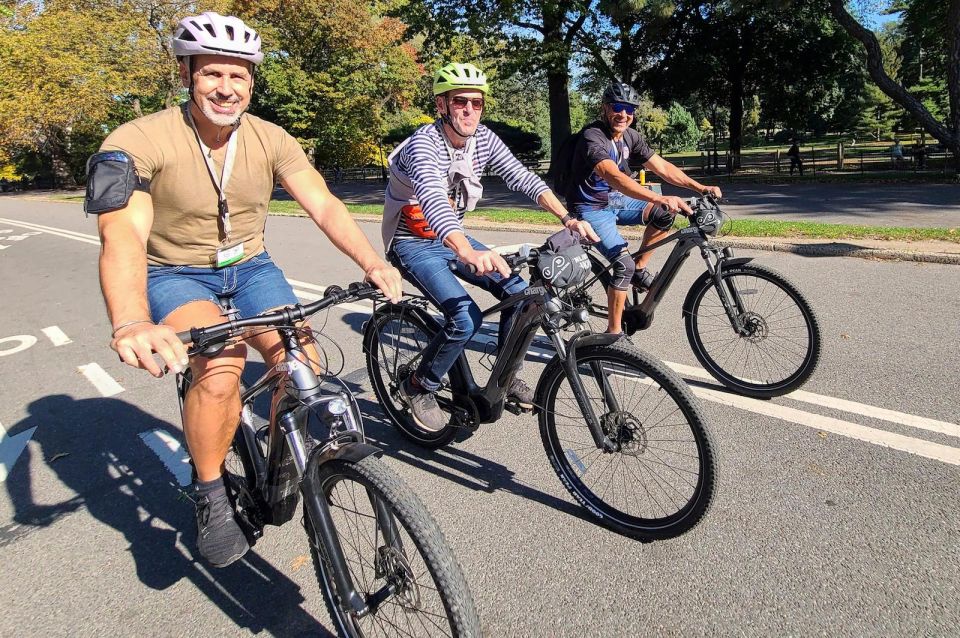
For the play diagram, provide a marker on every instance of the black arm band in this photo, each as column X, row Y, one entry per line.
column 111, row 179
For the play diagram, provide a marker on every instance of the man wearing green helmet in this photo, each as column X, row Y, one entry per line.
column 434, row 181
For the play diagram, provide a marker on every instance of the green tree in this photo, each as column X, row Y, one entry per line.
column 333, row 87
column 532, row 36
column 682, row 132
column 938, row 22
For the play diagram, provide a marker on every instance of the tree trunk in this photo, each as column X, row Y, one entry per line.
column 559, row 92
column 735, row 126
column 949, row 134
column 59, row 168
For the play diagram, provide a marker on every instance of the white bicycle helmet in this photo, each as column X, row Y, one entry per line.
column 213, row 34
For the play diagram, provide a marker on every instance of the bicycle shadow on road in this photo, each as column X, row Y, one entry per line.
column 94, row 448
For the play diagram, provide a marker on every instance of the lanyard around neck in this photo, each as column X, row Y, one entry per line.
column 219, row 183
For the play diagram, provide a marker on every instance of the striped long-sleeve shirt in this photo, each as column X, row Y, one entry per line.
column 424, row 162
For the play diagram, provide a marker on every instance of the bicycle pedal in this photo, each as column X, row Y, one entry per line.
column 515, row 408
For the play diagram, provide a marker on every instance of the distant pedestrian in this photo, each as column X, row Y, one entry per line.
column 795, row 160
column 896, row 153
column 920, row 154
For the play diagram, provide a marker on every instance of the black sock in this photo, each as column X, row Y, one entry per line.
column 207, row 488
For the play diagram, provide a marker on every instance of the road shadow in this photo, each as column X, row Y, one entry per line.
column 455, row 464
column 95, row 449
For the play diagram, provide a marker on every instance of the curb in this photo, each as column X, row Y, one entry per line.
column 831, row 249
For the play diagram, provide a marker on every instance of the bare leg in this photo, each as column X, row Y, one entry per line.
column 616, row 300
column 211, row 409
column 651, row 235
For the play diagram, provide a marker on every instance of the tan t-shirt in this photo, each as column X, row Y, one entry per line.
column 186, row 229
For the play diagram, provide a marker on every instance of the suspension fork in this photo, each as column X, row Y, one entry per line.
column 326, row 536
column 729, row 295
column 569, row 358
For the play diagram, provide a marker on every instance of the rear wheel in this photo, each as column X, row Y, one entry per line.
column 397, row 557
column 393, row 342
column 659, row 478
column 780, row 346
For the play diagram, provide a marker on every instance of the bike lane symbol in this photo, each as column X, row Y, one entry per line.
column 21, row 343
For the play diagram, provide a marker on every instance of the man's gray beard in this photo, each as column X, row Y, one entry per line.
column 218, row 119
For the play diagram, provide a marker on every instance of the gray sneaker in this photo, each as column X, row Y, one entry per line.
column 219, row 537
column 423, row 406
column 521, row 393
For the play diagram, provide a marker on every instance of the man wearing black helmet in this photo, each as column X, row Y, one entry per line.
column 602, row 192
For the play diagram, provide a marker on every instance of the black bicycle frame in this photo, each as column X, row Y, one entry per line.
column 488, row 401
column 287, row 466
column 641, row 313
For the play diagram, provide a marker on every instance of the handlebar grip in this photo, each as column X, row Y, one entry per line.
column 185, row 337
column 453, row 265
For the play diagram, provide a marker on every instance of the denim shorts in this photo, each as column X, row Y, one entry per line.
column 605, row 221
column 252, row 287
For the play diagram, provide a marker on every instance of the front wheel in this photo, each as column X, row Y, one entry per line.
column 779, row 346
column 659, row 479
column 397, row 557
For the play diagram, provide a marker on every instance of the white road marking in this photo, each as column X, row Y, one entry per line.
column 102, row 381
column 870, row 411
column 69, row 234
column 23, row 342
column 883, row 438
column 171, row 453
column 57, row 336
column 11, row 447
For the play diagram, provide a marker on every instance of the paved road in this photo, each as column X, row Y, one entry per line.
column 832, row 518
column 912, row 205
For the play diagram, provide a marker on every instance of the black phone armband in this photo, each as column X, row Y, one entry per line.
column 111, row 179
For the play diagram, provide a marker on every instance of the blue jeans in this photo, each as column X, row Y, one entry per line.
column 605, row 221
column 252, row 287
column 423, row 263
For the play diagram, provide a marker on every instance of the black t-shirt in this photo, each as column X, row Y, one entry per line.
column 589, row 191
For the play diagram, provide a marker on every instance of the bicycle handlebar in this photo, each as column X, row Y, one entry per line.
column 515, row 260
column 212, row 335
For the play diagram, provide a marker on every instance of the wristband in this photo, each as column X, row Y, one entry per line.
column 567, row 218
column 113, row 335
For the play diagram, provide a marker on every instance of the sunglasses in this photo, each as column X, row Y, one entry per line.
column 620, row 107
column 461, row 102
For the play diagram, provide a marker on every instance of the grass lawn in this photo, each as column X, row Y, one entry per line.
column 738, row 228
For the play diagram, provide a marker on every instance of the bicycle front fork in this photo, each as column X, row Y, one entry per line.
column 569, row 357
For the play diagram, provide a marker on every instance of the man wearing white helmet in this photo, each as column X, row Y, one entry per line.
column 181, row 197
column 434, row 181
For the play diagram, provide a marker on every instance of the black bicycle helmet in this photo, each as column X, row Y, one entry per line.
column 621, row 92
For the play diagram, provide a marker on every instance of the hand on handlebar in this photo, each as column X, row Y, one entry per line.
column 675, row 204
column 136, row 344
column 387, row 279
column 485, row 261
column 712, row 191
column 584, row 229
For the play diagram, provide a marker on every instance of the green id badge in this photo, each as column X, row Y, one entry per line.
column 229, row 255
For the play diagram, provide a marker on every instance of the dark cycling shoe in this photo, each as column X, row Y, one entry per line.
column 423, row 406
column 219, row 537
column 521, row 393
column 642, row 279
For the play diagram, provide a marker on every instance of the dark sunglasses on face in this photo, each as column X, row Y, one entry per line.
column 619, row 107
column 461, row 102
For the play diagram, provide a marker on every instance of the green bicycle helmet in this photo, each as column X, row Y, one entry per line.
column 459, row 76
